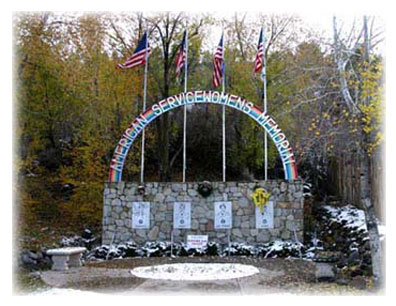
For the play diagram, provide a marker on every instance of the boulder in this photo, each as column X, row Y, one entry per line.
column 358, row 282
column 324, row 272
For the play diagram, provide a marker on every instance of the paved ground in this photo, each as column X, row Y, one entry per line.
column 276, row 276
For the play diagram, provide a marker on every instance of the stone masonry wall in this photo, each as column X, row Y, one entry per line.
column 117, row 211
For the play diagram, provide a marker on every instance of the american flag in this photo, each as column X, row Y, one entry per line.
column 181, row 56
column 218, row 64
column 258, row 63
column 139, row 55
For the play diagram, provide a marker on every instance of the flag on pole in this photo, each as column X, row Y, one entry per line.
column 139, row 55
column 181, row 56
column 218, row 64
column 258, row 63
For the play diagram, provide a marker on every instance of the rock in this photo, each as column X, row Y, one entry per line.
column 165, row 227
column 298, row 195
column 239, row 212
column 243, row 202
column 192, row 192
column 209, row 226
column 358, row 282
column 159, row 197
column 199, row 210
column 35, row 274
column 245, row 224
column 275, row 191
column 254, row 232
column 167, row 191
column 35, row 260
column 212, row 249
column 263, row 236
column 283, row 205
column 237, row 232
column 141, row 233
column 153, row 233
column 116, row 202
column 342, row 282
column 285, row 234
column 177, row 187
column 194, row 224
column 119, row 223
column 290, row 225
column 170, row 198
column 353, row 257
column 34, row 256
column 87, row 234
column 26, row 259
column 324, row 272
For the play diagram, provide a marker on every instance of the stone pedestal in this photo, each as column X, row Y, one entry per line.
column 75, row 260
column 60, row 263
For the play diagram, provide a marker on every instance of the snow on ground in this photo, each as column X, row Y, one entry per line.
column 353, row 216
column 65, row 291
column 381, row 230
column 195, row 271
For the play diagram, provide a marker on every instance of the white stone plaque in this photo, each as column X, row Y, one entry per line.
column 265, row 219
column 223, row 215
column 197, row 241
column 182, row 215
column 141, row 215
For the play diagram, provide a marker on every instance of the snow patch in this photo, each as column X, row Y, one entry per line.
column 349, row 215
column 195, row 271
column 64, row 291
column 381, row 230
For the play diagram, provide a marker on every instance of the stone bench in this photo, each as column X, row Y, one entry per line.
column 63, row 258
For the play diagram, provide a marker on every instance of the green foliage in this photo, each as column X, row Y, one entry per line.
column 72, row 106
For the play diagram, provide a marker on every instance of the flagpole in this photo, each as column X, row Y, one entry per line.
column 185, row 108
column 144, row 108
column 265, row 108
column 223, row 117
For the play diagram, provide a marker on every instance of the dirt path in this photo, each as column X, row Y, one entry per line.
column 275, row 275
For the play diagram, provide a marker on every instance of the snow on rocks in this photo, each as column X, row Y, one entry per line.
column 87, row 239
column 195, row 271
column 341, row 236
column 349, row 216
column 277, row 248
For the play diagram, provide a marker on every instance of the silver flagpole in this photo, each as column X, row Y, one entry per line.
column 265, row 109
column 144, row 108
column 223, row 114
column 185, row 108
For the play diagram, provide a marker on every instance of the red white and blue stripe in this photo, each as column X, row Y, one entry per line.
column 139, row 55
column 258, row 63
column 256, row 113
column 218, row 64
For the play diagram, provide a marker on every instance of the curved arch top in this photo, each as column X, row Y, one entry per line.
column 196, row 97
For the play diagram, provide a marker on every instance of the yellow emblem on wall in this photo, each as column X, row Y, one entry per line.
column 260, row 198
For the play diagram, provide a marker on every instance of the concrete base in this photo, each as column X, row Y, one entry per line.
column 60, row 263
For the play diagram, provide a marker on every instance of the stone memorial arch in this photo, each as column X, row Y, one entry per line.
column 281, row 219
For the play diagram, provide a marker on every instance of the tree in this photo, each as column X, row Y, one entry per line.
column 361, row 92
